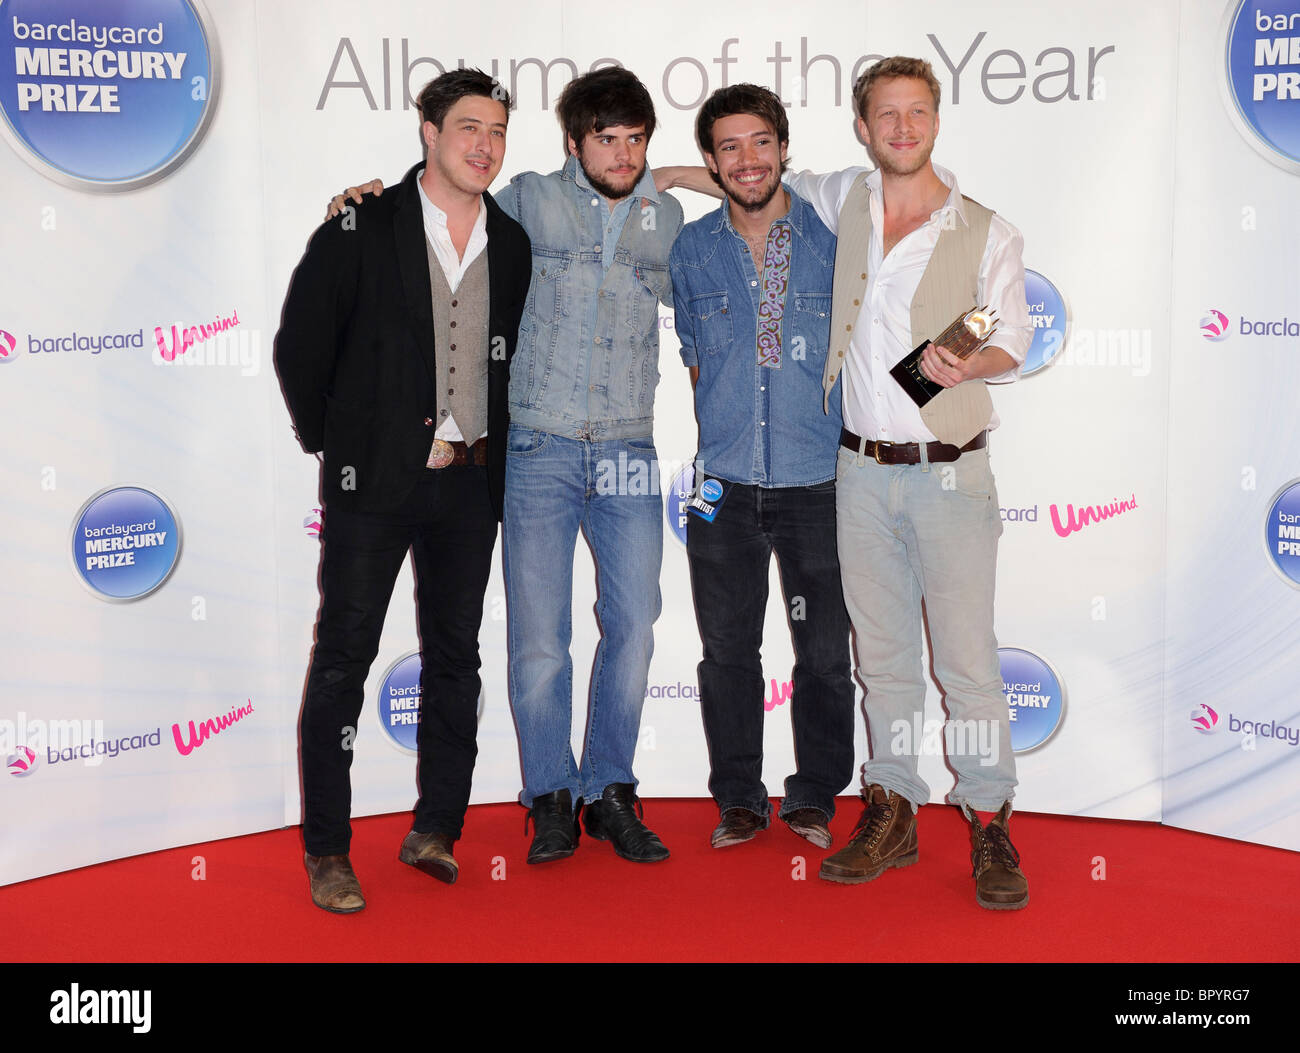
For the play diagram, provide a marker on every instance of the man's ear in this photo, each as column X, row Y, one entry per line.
column 429, row 131
column 573, row 146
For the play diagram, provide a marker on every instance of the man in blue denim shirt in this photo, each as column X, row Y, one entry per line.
column 752, row 285
column 581, row 456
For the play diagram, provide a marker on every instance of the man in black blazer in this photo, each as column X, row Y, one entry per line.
column 394, row 356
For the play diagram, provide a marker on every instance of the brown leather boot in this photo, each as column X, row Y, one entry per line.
column 432, row 854
column 334, row 887
column 884, row 837
column 995, row 863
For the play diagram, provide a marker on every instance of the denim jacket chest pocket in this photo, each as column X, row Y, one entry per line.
column 550, row 292
column 652, row 286
column 711, row 321
column 811, row 320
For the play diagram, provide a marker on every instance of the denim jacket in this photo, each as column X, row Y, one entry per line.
column 758, row 425
column 587, row 361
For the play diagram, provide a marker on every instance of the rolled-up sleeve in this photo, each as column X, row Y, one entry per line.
column 682, row 322
column 1002, row 287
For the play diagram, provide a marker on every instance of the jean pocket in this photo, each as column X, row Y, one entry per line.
column 521, row 442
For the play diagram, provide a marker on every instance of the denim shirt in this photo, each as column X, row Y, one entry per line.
column 758, row 425
column 587, row 361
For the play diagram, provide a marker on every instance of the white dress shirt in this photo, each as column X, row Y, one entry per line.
column 454, row 267
column 875, row 405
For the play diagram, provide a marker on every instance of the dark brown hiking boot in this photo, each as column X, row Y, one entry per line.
column 995, row 863
column 884, row 837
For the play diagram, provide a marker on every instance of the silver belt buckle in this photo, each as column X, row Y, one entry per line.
column 441, row 455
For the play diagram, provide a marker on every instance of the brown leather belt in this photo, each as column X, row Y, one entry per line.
column 461, row 453
column 909, row 452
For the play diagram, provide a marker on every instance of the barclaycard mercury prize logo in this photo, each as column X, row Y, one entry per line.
column 1261, row 81
column 106, row 96
column 8, row 347
column 125, row 542
column 676, row 499
column 1205, row 719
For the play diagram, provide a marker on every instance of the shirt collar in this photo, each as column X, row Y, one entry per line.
column 645, row 187
column 955, row 201
column 435, row 216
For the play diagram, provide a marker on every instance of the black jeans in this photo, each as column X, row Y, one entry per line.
column 449, row 523
column 729, row 561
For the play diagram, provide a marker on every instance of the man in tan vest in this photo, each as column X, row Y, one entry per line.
column 917, row 511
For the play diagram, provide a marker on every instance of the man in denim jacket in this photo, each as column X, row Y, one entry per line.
column 581, row 456
column 752, row 284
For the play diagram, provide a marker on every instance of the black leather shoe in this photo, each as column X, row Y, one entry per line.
column 613, row 818
column 555, row 827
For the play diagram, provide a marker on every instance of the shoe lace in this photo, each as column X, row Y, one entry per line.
column 994, row 846
column 872, row 825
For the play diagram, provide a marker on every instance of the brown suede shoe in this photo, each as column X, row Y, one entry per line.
column 738, row 825
column 432, row 854
column 810, row 824
column 995, row 863
column 334, row 887
column 884, row 837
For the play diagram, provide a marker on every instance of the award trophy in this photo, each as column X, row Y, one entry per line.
column 968, row 332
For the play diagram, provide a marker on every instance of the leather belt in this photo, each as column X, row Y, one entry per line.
column 446, row 454
column 909, row 452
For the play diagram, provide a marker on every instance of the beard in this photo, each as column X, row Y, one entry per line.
column 752, row 204
column 607, row 189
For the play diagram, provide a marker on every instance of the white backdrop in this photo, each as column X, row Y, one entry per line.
column 1105, row 134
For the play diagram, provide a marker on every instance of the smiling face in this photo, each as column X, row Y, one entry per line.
column 613, row 159
column 747, row 158
column 466, row 155
column 900, row 125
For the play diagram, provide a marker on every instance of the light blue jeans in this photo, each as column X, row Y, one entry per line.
column 908, row 533
column 556, row 486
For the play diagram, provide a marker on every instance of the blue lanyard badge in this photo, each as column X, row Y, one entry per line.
column 708, row 498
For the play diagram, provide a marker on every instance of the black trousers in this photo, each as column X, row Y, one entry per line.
column 729, row 560
column 448, row 523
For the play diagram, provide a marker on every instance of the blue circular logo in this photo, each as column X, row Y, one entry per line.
column 125, row 542
column 1035, row 698
column 399, row 701
column 1047, row 314
column 710, row 490
column 1262, row 81
column 677, row 498
column 1282, row 532
column 106, row 97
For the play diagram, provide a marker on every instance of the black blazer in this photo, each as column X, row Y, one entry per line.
column 355, row 350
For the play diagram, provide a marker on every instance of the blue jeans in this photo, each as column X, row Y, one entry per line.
column 556, row 486
column 729, row 561
column 928, row 532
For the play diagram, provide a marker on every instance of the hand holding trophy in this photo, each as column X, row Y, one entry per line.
column 967, row 333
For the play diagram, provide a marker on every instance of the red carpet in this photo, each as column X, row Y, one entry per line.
column 1168, row 896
